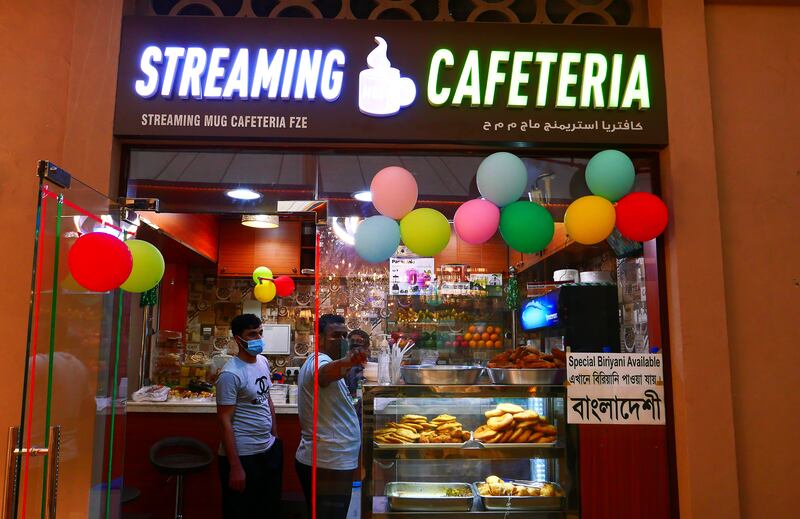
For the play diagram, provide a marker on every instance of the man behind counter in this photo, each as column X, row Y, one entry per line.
column 251, row 456
column 338, row 435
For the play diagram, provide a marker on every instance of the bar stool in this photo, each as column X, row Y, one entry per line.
column 180, row 456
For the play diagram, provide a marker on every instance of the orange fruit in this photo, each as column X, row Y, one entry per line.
column 472, row 344
column 498, row 344
column 485, row 336
column 498, row 331
column 471, row 328
column 481, row 344
column 467, row 336
column 493, row 337
column 489, row 329
column 489, row 344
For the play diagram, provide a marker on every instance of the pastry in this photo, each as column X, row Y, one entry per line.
column 510, row 408
column 501, row 423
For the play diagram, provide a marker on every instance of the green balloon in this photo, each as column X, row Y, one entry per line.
column 148, row 267
column 526, row 227
column 610, row 174
column 425, row 231
column 261, row 273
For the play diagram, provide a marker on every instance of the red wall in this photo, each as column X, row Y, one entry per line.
column 174, row 297
column 202, row 492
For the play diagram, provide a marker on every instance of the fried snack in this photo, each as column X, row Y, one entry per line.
column 547, row 439
column 484, row 433
column 444, row 418
column 528, row 357
column 414, row 417
column 535, row 437
column 525, row 436
column 506, row 436
column 510, row 408
column 494, row 486
column 517, row 433
column 526, row 415
column 493, row 479
column 528, row 424
column 500, row 423
column 493, row 413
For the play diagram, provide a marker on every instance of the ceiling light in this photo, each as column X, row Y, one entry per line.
column 363, row 196
column 260, row 221
column 243, row 194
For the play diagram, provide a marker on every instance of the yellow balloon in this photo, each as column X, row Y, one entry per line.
column 590, row 219
column 265, row 292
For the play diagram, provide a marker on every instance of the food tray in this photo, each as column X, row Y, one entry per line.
column 516, row 445
column 521, row 503
column 428, row 497
column 527, row 377
column 441, row 375
column 416, row 446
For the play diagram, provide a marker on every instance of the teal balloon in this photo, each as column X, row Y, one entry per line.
column 377, row 238
column 502, row 178
column 610, row 174
column 526, row 227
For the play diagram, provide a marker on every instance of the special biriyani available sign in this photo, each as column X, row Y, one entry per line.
column 380, row 81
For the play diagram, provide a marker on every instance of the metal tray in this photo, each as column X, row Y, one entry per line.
column 417, row 446
column 521, row 503
column 441, row 375
column 516, row 445
column 428, row 497
column 527, row 377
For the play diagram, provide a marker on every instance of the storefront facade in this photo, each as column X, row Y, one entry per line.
column 702, row 412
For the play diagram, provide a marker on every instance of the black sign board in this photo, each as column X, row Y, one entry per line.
column 380, row 81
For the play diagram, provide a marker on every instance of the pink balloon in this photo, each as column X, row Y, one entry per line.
column 476, row 221
column 394, row 192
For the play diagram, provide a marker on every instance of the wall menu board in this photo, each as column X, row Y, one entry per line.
column 615, row 388
column 390, row 81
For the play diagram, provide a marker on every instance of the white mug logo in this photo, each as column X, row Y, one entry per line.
column 381, row 89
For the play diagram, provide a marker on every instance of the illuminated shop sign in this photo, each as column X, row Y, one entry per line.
column 327, row 80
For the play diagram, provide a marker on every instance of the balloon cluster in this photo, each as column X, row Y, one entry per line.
column 100, row 262
column 525, row 226
column 424, row 231
column 638, row 216
column 267, row 286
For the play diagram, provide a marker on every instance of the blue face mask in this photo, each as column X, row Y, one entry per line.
column 255, row 346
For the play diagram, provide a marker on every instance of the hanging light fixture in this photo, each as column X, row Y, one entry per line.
column 261, row 221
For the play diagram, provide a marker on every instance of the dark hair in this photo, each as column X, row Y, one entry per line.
column 244, row 322
column 327, row 320
column 360, row 333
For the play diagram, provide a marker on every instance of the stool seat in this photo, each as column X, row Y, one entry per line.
column 180, row 455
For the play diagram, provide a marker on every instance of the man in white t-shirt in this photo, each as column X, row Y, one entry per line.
column 338, row 434
column 251, row 457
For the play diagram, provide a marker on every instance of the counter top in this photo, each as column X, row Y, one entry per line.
column 192, row 407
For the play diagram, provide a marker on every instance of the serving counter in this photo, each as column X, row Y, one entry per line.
column 148, row 422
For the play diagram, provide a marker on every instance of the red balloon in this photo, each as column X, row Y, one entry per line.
column 99, row 262
column 284, row 285
column 641, row 216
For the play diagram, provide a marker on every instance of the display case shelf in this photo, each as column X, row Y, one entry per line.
column 471, row 461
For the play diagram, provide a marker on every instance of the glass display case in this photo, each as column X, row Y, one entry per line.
column 428, row 451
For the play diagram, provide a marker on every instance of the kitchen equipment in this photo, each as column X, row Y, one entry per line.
column 596, row 276
column 522, row 503
column 527, row 377
column 441, row 375
column 566, row 276
column 428, row 497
